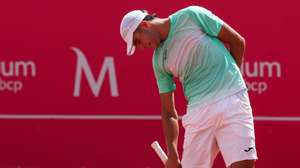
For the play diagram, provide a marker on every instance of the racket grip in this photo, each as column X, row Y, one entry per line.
column 159, row 151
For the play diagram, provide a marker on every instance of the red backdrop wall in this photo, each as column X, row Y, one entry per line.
column 70, row 97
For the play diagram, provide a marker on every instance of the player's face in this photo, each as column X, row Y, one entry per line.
column 146, row 37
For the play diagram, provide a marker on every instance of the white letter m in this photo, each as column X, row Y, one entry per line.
column 83, row 66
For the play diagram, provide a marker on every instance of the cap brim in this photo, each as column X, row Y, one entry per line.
column 130, row 46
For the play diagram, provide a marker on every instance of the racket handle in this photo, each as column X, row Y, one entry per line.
column 162, row 155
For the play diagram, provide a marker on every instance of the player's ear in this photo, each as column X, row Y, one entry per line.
column 145, row 24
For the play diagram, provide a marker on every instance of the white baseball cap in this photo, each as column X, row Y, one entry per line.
column 129, row 24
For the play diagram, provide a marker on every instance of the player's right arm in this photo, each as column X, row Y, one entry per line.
column 170, row 128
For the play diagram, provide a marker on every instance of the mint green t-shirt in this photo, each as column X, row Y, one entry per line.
column 193, row 54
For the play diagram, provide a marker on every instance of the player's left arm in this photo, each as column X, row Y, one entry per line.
column 235, row 41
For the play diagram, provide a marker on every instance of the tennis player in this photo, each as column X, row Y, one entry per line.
column 189, row 46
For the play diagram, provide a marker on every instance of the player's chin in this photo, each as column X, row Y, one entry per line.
column 155, row 45
column 152, row 45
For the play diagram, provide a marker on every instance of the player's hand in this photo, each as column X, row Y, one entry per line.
column 173, row 163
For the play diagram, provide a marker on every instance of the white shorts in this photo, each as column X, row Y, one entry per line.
column 226, row 126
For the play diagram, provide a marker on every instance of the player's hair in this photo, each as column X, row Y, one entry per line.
column 149, row 17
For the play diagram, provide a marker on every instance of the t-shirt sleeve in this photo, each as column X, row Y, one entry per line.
column 210, row 23
column 164, row 80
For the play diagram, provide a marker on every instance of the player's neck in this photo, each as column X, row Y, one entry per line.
column 163, row 26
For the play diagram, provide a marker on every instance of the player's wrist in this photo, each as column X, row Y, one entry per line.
column 174, row 163
column 173, row 154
